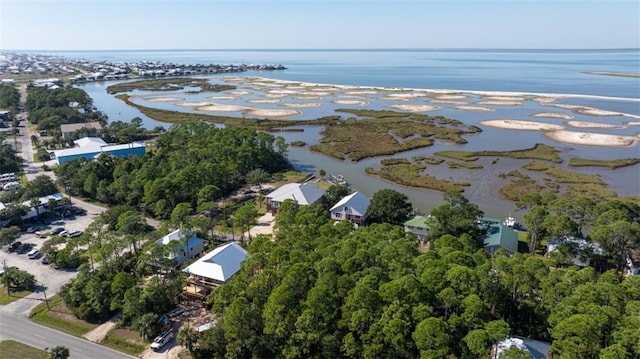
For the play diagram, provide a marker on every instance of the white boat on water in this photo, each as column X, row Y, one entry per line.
column 510, row 222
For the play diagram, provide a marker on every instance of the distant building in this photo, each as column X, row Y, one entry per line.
column 92, row 147
column 193, row 247
column 303, row 194
column 214, row 269
column 69, row 128
column 353, row 208
column 418, row 226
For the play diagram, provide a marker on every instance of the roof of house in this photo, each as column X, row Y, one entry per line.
column 503, row 236
column 71, row 127
column 357, row 202
column 538, row 349
column 302, row 193
column 175, row 236
column 418, row 222
column 634, row 257
column 88, row 145
column 219, row 264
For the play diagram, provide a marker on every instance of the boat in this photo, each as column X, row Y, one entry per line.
column 510, row 222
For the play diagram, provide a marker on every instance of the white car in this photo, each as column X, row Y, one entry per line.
column 161, row 340
column 34, row 254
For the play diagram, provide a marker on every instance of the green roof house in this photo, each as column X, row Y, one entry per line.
column 500, row 236
column 418, row 226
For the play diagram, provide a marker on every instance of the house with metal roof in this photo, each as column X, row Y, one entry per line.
column 68, row 128
column 214, row 268
column 303, row 194
column 353, row 208
column 91, row 147
column 191, row 247
column 418, row 226
column 500, row 236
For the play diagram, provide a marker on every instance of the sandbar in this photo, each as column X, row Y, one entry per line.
column 266, row 100
column 405, row 96
column 224, row 98
column 475, row 108
column 587, row 124
column 521, row 125
column 363, row 92
column 592, row 139
column 351, row 102
column 562, row 116
column 302, row 105
column 308, row 97
column 163, row 99
column 272, row 113
column 285, row 92
column 193, row 104
column 503, row 98
column 240, row 93
column 450, row 97
column 222, row 108
column 416, row 108
column 448, row 102
column 273, row 95
column 500, row 103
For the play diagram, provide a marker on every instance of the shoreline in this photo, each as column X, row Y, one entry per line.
column 555, row 96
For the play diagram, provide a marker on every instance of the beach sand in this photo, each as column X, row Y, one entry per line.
column 587, row 124
column 264, row 101
column 215, row 107
column 163, row 99
column 592, row 139
column 415, row 108
column 271, row 113
column 500, row 103
column 351, row 102
column 521, row 125
column 193, row 104
column 562, row 116
column 474, row 108
column 302, row 105
column 223, row 98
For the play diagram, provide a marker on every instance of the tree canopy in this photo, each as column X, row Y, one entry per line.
column 389, row 206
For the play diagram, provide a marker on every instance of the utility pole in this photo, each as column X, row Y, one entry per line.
column 6, row 275
column 45, row 296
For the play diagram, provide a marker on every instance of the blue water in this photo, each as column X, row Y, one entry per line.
column 538, row 71
column 549, row 71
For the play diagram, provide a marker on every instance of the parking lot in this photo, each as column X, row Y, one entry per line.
column 47, row 278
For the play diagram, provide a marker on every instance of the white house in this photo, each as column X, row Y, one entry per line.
column 303, row 194
column 190, row 249
column 214, row 268
column 581, row 249
column 352, row 208
column 633, row 263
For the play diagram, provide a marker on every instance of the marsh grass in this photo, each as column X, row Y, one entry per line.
column 410, row 174
column 467, row 165
column 168, row 84
column 613, row 164
column 536, row 165
column 538, row 152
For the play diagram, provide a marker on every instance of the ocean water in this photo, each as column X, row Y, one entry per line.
column 535, row 71
column 548, row 71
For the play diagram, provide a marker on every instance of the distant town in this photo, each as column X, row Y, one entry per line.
column 52, row 70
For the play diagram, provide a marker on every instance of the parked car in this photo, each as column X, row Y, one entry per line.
column 64, row 234
column 32, row 229
column 75, row 234
column 34, row 254
column 57, row 230
column 161, row 340
column 39, row 234
column 13, row 247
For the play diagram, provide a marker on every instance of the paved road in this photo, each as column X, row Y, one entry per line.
column 18, row 327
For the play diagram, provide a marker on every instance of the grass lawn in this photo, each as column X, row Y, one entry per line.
column 6, row 299
column 124, row 340
column 60, row 317
column 11, row 349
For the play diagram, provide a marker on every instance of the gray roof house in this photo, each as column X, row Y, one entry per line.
column 303, row 194
column 352, row 208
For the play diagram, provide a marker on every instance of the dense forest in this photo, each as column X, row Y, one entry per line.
column 326, row 291
column 9, row 98
column 194, row 164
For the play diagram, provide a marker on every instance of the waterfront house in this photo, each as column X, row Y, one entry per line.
column 68, row 128
column 303, row 194
column 500, row 236
column 182, row 251
column 353, row 208
column 578, row 250
column 418, row 226
column 536, row 349
column 214, row 269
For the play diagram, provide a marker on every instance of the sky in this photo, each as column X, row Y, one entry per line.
column 309, row 24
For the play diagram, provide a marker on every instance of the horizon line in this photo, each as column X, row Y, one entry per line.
column 336, row 49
